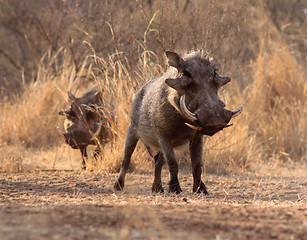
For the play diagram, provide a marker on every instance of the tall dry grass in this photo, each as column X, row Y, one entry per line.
column 31, row 119
column 277, row 109
column 266, row 80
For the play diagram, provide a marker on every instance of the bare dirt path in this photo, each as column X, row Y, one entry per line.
column 74, row 205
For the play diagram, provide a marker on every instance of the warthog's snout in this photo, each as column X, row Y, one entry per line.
column 216, row 122
column 79, row 138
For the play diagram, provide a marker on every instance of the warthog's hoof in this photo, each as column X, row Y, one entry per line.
column 174, row 187
column 157, row 187
column 200, row 188
column 119, row 185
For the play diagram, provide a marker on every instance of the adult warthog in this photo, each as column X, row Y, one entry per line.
column 89, row 121
column 180, row 106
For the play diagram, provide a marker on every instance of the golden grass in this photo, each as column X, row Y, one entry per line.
column 32, row 118
column 273, row 123
column 272, row 91
column 277, row 108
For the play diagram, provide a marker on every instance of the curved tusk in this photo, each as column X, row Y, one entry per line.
column 237, row 112
column 96, row 134
column 60, row 132
column 66, row 124
column 194, row 127
column 185, row 110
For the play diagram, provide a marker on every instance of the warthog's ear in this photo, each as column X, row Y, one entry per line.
column 93, row 95
column 174, row 59
column 97, row 97
column 71, row 97
column 178, row 84
column 221, row 81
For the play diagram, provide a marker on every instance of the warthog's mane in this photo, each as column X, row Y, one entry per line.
column 201, row 54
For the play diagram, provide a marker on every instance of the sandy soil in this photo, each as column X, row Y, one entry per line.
column 74, row 205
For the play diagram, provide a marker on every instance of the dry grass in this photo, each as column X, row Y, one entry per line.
column 278, row 99
column 271, row 89
column 31, row 119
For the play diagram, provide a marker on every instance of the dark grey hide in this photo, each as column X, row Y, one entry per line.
column 179, row 107
column 89, row 121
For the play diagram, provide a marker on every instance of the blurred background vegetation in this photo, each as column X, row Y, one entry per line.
column 50, row 46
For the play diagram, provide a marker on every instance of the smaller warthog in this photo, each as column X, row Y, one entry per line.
column 179, row 107
column 89, row 121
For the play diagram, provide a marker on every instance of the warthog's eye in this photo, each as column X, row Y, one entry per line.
column 187, row 74
column 70, row 113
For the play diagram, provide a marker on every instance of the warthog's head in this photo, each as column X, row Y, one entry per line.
column 83, row 123
column 197, row 84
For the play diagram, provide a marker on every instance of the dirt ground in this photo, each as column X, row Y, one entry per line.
column 74, row 205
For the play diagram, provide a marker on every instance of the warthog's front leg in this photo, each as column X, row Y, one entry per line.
column 84, row 158
column 131, row 141
column 159, row 162
column 97, row 154
column 196, row 151
column 169, row 156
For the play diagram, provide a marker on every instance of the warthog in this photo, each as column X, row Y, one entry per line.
column 180, row 106
column 89, row 121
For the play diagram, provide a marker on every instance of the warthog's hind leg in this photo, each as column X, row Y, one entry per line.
column 159, row 162
column 131, row 141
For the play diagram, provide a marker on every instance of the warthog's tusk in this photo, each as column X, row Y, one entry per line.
column 96, row 134
column 66, row 124
column 60, row 132
column 185, row 110
column 194, row 127
column 237, row 112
